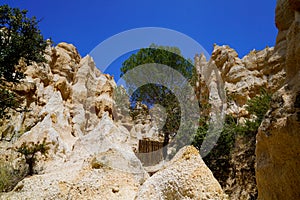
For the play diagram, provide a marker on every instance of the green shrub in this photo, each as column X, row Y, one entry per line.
column 218, row 159
column 11, row 174
column 257, row 107
column 20, row 39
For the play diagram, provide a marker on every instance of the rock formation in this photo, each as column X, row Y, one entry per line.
column 92, row 147
column 94, row 143
column 241, row 79
column 181, row 178
column 277, row 151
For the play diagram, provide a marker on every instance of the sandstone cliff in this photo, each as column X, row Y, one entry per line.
column 92, row 148
column 242, row 79
column 277, row 151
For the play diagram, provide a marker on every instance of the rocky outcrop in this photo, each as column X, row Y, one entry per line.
column 142, row 123
column 240, row 182
column 148, row 123
column 93, row 141
column 242, row 79
column 66, row 87
column 100, row 165
column 92, row 145
column 277, row 151
column 245, row 77
column 70, row 104
column 185, row 177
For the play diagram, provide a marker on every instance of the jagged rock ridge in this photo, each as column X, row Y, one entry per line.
column 91, row 156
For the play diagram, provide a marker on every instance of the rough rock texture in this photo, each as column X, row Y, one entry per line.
column 245, row 77
column 241, row 182
column 142, row 123
column 71, row 104
column 91, row 156
column 147, row 123
column 242, row 78
column 185, row 177
column 100, row 165
column 278, row 150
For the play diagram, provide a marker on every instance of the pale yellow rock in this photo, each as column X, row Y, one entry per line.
column 72, row 109
column 65, row 60
column 64, row 87
column 278, row 139
column 278, row 150
column 292, row 63
column 100, row 165
column 243, row 79
column 41, row 71
column 91, row 156
column 185, row 177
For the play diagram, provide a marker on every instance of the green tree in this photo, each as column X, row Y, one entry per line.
column 159, row 93
column 20, row 38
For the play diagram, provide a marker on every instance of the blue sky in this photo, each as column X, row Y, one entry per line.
column 243, row 25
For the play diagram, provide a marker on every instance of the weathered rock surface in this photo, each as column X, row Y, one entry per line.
column 185, row 177
column 245, row 77
column 241, row 80
column 91, row 156
column 278, row 150
column 93, row 146
column 71, row 104
column 100, row 165
column 241, row 182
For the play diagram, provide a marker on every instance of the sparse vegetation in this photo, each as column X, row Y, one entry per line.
column 10, row 174
column 218, row 160
column 257, row 107
column 30, row 150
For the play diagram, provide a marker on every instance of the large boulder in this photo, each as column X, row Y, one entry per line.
column 185, row 177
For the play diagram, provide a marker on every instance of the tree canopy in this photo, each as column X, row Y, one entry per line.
column 165, row 55
column 20, row 38
column 158, row 93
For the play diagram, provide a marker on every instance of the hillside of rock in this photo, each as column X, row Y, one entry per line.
column 92, row 148
column 98, row 150
column 241, row 79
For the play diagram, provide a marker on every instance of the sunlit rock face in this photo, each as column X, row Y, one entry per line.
column 92, row 146
column 278, row 150
column 70, row 104
column 185, row 177
column 243, row 78
column 240, row 79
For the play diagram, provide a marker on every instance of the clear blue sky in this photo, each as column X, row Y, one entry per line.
column 244, row 25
